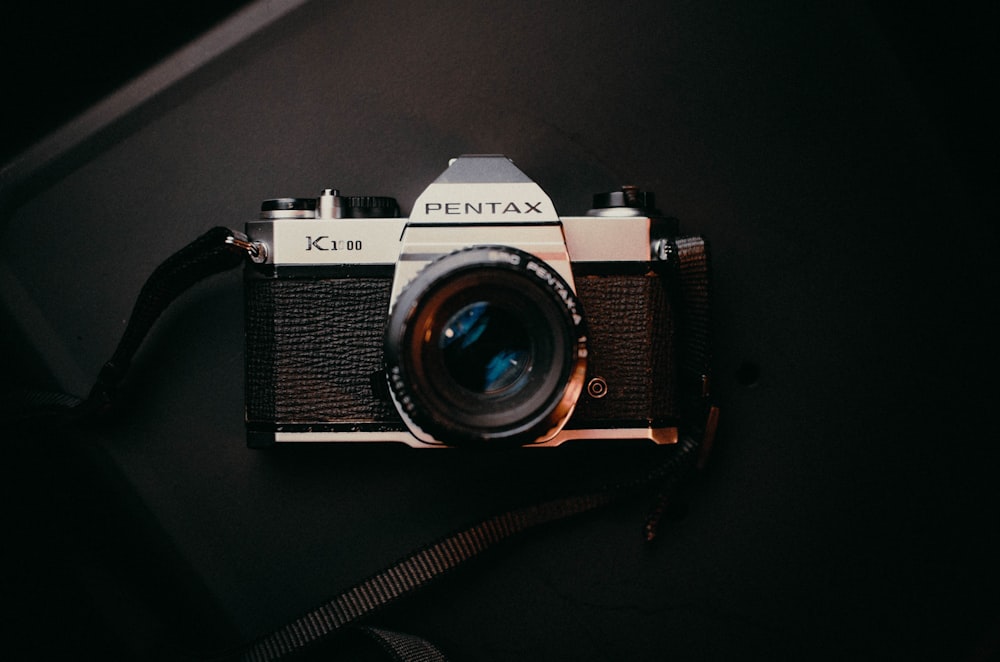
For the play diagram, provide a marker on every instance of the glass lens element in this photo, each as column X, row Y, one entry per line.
column 486, row 349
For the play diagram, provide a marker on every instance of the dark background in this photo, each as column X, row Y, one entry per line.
column 63, row 57
column 840, row 160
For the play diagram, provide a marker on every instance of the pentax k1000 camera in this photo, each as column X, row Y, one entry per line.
column 484, row 319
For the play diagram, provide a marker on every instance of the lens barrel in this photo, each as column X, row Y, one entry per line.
column 486, row 346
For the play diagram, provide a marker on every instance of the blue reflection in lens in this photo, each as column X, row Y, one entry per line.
column 485, row 348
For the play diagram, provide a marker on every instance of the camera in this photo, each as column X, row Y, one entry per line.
column 483, row 319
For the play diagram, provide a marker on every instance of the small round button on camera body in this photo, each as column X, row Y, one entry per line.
column 597, row 388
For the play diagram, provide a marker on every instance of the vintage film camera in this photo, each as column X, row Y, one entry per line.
column 484, row 319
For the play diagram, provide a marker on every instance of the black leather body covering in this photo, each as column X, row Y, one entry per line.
column 314, row 349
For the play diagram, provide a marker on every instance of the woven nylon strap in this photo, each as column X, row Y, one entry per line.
column 403, row 647
column 206, row 256
column 436, row 560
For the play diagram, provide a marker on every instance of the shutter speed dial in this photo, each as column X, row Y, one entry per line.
column 333, row 205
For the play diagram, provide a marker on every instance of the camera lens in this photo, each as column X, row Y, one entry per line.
column 486, row 345
column 485, row 348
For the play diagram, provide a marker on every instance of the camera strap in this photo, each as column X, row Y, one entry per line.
column 437, row 559
column 214, row 252
column 220, row 249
